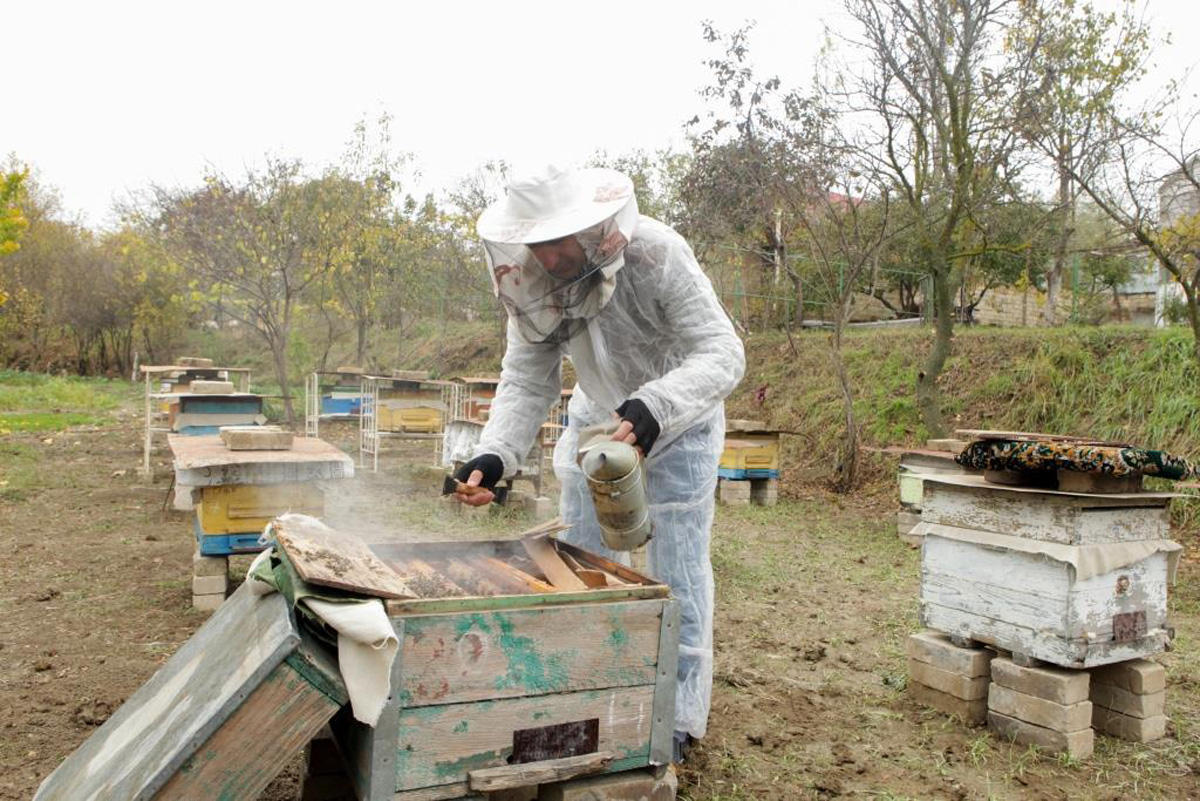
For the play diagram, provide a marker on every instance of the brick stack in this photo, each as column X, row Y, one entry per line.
column 210, row 581
column 1043, row 706
column 949, row 677
column 1128, row 699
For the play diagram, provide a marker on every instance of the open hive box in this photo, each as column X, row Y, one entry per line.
column 514, row 654
column 511, row 671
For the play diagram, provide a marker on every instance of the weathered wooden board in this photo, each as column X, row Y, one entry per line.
column 336, row 558
column 440, row 745
column 1069, row 518
column 205, row 462
column 542, row 551
column 507, row 777
column 1033, row 605
column 270, row 727
column 138, row 749
column 474, row 656
column 1032, row 436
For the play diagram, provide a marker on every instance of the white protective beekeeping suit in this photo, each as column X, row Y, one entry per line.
column 643, row 323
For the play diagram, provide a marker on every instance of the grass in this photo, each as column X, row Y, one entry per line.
column 38, row 422
column 34, row 392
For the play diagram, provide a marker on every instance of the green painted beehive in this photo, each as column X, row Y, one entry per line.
column 499, row 666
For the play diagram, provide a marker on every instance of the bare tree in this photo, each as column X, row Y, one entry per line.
column 932, row 98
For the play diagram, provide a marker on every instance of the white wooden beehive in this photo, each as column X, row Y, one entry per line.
column 1073, row 579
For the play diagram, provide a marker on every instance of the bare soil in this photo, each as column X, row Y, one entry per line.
column 815, row 598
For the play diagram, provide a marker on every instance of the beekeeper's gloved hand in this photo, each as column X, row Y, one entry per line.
column 638, row 427
column 483, row 471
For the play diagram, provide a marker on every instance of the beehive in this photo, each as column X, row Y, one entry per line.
column 491, row 662
column 751, row 451
column 242, row 508
column 1074, row 579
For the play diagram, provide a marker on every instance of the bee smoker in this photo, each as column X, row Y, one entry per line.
column 617, row 480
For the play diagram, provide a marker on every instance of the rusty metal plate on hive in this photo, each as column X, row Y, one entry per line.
column 555, row 742
column 1129, row 626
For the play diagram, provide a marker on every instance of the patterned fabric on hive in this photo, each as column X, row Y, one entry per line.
column 1106, row 460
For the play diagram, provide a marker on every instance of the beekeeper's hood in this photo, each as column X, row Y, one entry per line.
column 596, row 206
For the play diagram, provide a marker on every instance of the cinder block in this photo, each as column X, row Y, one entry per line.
column 256, row 438
column 936, row 649
column 208, row 603
column 193, row 361
column 972, row 713
column 541, row 507
column 1139, row 676
column 948, row 445
column 1076, row 743
column 631, row 785
column 1039, row 711
column 211, row 387
column 1060, row 685
column 210, row 585
column 956, row 684
column 1114, row 698
column 733, row 493
column 906, row 520
column 1127, row 727
column 209, row 565
column 764, row 492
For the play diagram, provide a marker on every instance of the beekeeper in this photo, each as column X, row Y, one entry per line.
column 581, row 273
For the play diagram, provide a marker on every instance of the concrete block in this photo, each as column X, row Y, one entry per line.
column 209, row 565
column 193, row 361
column 256, row 438
column 211, row 387
column 1139, row 676
column 949, row 445
column 1127, row 727
column 1039, row 711
column 208, row 603
column 1114, row 698
column 631, row 785
column 1078, row 744
column 936, row 649
column 1060, row 685
column 210, row 585
column 972, row 713
column 541, row 507
column 906, row 520
column 733, row 493
column 764, row 491
column 956, row 684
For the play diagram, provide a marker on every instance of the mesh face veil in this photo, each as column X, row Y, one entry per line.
column 547, row 308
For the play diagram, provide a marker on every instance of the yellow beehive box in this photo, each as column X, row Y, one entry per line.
column 412, row 419
column 750, row 455
column 241, row 508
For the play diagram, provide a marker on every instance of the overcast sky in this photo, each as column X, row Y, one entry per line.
column 107, row 97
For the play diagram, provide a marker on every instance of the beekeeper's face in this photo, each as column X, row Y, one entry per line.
column 563, row 258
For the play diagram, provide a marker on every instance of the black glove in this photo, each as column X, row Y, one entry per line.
column 489, row 464
column 645, row 427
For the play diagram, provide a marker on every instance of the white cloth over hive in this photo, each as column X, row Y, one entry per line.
column 1085, row 560
column 662, row 338
column 367, row 644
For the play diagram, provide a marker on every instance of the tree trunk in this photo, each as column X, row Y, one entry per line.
column 279, row 355
column 847, row 463
column 360, row 350
column 928, row 398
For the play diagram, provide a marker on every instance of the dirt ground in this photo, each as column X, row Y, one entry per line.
column 815, row 598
